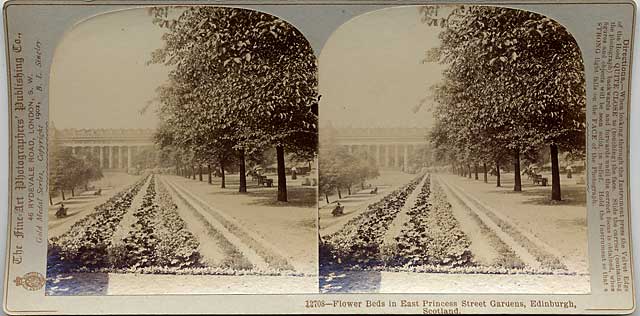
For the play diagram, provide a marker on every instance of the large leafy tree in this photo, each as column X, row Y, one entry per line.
column 248, row 78
column 515, row 79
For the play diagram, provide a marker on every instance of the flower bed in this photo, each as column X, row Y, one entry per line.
column 359, row 241
column 87, row 241
column 433, row 235
column 158, row 237
column 178, row 247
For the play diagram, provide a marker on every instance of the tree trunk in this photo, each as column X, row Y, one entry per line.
column 209, row 174
column 339, row 194
column 517, row 183
column 193, row 172
column 200, row 172
column 475, row 167
column 73, row 193
column 484, row 170
column 326, row 197
column 282, row 177
column 50, row 199
column 62, row 191
column 556, row 194
column 469, row 168
column 243, row 174
column 222, row 184
column 497, row 173
column 349, row 190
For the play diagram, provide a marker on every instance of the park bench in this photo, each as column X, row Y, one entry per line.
column 374, row 191
column 539, row 180
column 98, row 192
column 264, row 181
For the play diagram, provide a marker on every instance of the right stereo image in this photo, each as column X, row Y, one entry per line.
column 452, row 154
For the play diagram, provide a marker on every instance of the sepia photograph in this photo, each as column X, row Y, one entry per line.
column 182, row 151
column 319, row 157
column 452, row 154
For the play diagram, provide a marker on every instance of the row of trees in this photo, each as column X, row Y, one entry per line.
column 339, row 169
column 514, row 84
column 241, row 83
column 68, row 171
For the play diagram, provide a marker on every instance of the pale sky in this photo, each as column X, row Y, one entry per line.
column 371, row 71
column 99, row 76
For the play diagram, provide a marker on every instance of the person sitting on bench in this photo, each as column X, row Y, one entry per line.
column 374, row 191
column 62, row 211
column 338, row 210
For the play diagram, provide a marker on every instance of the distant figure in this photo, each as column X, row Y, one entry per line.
column 338, row 210
column 62, row 211
column 98, row 192
column 294, row 173
column 569, row 172
column 374, row 191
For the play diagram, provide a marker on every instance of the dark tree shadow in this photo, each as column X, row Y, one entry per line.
column 539, row 195
column 73, row 201
column 55, row 221
column 298, row 196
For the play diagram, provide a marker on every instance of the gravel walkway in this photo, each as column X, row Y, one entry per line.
column 483, row 252
column 526, row 257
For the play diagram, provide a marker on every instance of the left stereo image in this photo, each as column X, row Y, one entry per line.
column 182, row 155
